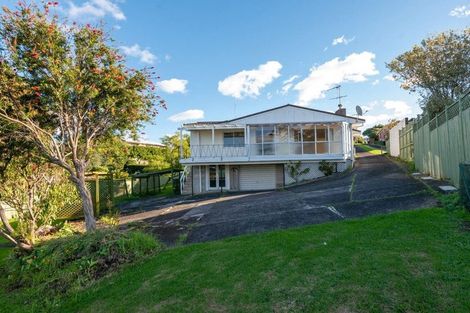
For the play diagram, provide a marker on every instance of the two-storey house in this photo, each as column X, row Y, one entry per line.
column 253, row 152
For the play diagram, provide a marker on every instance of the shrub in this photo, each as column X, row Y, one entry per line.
column 450, row 202
column 110, row 219
column 327, row 168
column 71, row 263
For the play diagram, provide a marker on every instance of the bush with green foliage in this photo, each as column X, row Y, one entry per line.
column 36, row 191
column 71, row 263
column 326, row 168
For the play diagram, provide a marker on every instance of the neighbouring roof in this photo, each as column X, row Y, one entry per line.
column 144, row 143
column 204, row 123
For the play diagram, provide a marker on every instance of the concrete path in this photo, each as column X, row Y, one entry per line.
column 376, row 185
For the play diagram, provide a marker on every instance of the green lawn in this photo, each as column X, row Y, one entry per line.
column 4, row 249
column 416, row 261
column 372, row 150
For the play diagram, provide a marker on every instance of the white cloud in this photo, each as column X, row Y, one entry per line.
column 173, row 85
column 400, row 108
column 389, row 109
column 144, row 55
column 342, row 40
column 250, row 82
column 96, row 8
column 462, row 11
column 389, row 77
column 369, row 106
column 187, row 115
column 375, row 82
column 356, row 67
column 288, row 83
column 167, row 57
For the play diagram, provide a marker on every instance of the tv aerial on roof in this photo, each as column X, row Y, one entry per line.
column 339, row 97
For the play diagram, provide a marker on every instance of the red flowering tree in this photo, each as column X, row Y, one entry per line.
column 64, row 87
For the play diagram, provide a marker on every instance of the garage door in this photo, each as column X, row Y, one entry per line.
column 257, row 177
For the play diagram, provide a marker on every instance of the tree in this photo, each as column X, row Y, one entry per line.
column 372, row 132
column 172, row 149
column 35, row 191
column 110, row 154
column 65, row 88
column 438, row 69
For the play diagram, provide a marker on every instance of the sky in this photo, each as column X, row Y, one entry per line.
column 219, row 59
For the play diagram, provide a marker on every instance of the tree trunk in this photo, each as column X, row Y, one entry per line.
column 87, row 203
column 9, row 233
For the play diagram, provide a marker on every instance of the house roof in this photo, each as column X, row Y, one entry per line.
column 202, row 123
column 144, row 143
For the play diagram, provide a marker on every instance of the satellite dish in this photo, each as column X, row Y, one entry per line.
column 359, row 110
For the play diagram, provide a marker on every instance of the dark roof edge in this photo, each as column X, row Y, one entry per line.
column 275, row 108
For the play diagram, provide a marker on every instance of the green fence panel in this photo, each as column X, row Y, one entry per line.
column 442, row 143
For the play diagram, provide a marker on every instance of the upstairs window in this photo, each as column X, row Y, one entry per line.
column 234, row 139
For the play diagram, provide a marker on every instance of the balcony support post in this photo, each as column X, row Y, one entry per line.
column 328, row 136
column 247, row 142
column 288, row 139
column 213, row 135
column 181, row 142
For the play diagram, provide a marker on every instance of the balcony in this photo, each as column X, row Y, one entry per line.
column 326, row 150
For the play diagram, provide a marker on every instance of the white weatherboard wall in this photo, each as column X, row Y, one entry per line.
column 257, row 177
column 394, row 138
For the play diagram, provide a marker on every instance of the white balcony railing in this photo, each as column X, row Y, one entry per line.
column 267, row 149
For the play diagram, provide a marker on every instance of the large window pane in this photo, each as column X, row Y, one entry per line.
column 309, row 148
column 212, row 176
column 257, row 147
column 234, row 139
column 309, row 133
column 259, row 134
column 268, row 133
column 335, row 132
column 322, row 134
column 335, row 147
column 282, row 133
column 322, row 147
column 268, row 139
column 296, row 148
column 295, row 134
column 282, row 138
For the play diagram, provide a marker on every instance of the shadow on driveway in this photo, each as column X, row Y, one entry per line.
column 375, row 186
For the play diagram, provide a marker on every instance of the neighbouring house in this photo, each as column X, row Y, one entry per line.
column 253, row 152
column 384, row 132
column 144, row 144
column 394, row 137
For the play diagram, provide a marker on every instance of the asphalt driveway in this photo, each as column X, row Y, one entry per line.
column 376, row 185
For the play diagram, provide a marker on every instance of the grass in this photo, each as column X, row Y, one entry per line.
column 415, row 261
column 370, row 149
column 5, row 248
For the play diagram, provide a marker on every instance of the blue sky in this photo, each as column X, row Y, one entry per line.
column 220, row 59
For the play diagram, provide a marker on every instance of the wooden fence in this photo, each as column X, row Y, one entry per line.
column 442, row 143
column 105, row 190
column 406, row 142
